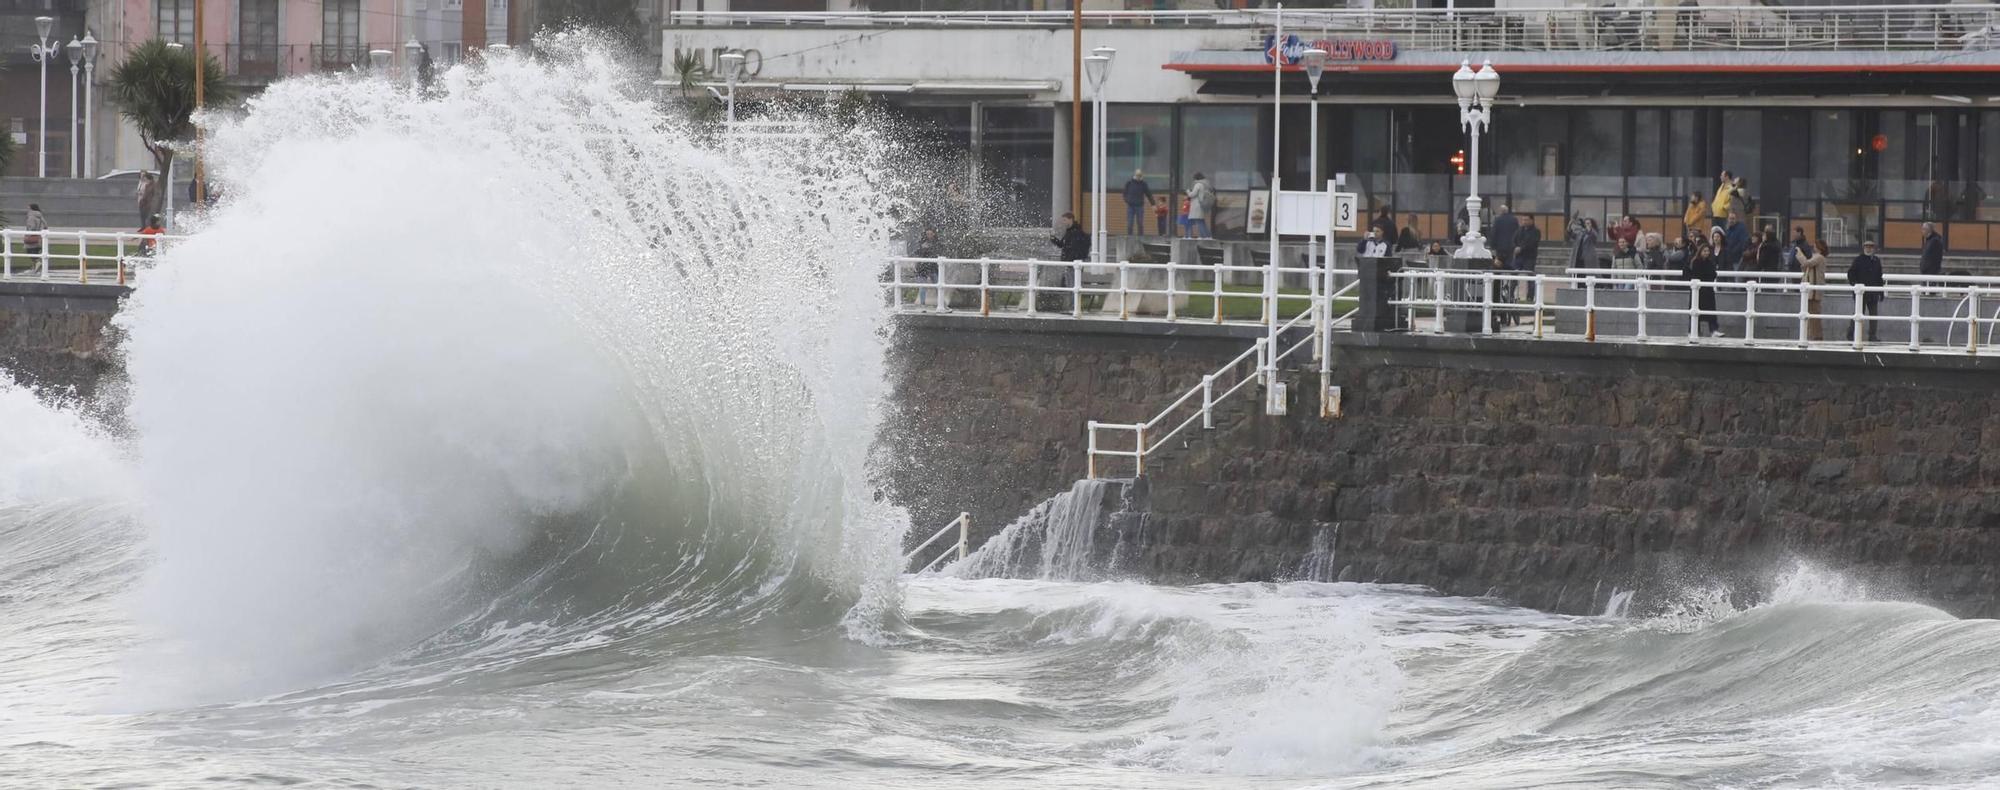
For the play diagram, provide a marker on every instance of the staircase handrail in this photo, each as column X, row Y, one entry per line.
column 958, row 548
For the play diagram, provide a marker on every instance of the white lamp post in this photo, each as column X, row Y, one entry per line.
column 413, row 53
column 1098, row 67
column 89, row 96
column 732, row 69
column 1476, row 91
column 75, row 49
column 1315, row 62
column 1271, row 210
column 41, row 53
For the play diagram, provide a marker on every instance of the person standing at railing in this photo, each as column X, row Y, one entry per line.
column 1584, row 254
column 1812, row 271
column 1931, row 262
column 1501, row 238
column 1866, row 270
column 1406, row 241
column 1624, row 257
column 1676, row 256
column 1527, row 251
column 1138, row 196
column 1769, row 257
column 1797, row 250
column 1701, row 275
column 1627, row 230
column 146, row 195
column 1725, row 195
column 1201, row 201
column 1653, row 255
column 1735, row 242
column 1696, row 214
column 150, row 234
column 1072, row 244
column 37, row 226
column 1163, row 211
column 1372, row 246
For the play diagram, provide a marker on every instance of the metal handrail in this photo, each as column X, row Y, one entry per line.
column 1026, row 279
column 1934, row 27
column 1972, row 290
column 1145, row 437
column 958, row 548
column 100, row 257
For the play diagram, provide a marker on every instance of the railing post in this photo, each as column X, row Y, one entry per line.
column 6, row 256
column 1090, row 462
column 1972, row 318
column 1590, row 309
column 1857, row 330
column 43, row 257
column 1139, row 451
column 1124, row 289
column 1644, row 286
column 896, row 284
column 1172, row 276
column 82, row 258
column 1076, row 289
column 1486, row 302
column 1207, row 400
column 1805, row 298
column 985, row 283
column 964, row 526
column 1215, row 285
column 1541, row 292
column 1917, row 315
column 1437, row 301
column 1034, row 271
column 1694, row 310
column 938, row 262
column 1750, row 313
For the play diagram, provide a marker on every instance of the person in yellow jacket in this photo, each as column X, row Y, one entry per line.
column 1725, row 196
column 1697, row 210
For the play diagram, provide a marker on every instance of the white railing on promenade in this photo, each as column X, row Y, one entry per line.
column 1928, row 27
column 1932, row 313
column 78, row 256
column 957, row 549
column 1121, row 290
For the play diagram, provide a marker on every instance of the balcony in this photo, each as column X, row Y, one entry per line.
column 1556, row 28
column 253, row 65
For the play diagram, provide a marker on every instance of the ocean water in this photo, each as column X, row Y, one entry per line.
column 520, row 437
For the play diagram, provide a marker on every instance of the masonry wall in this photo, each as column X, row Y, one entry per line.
column 1552, row 474
column 54, row 336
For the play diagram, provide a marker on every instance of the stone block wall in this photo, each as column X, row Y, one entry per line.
column 54, row 336
column 1548, row 473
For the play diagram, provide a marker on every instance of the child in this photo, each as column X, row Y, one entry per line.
column 1160, row 214
column 1187, row 225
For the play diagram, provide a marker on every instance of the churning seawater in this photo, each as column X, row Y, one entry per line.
column 519, row 437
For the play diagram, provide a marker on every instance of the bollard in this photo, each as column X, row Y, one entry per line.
column 964, row 526
column 1090, row 444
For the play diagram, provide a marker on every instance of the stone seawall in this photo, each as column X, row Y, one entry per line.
column 54, row 337
column 1552, row 474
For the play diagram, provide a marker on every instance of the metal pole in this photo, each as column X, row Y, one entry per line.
column 89, row 95
column 1097, row 175
column 73, row 71
column 42, row 157
column 1271, row 266
column 200, row 94
column 1312, row 242
column 1076, row 104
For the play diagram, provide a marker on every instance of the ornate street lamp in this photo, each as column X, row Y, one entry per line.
column 41, row 53
column 1315, row 62
column 75, row 49
column 1098, row 68
column 90, row 46
column 1476, row 91
column 732, row 70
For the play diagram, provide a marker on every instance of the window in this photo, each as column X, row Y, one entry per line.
column 1141, row 139
column 175, row 19
column 340, row 30
column 1833, row 150
column 257, row 29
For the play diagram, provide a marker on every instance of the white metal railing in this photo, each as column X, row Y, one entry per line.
column 1930, row 313
column 1120, row 290
column 961, row 525
column 1199, row 403
column 79, row 256
column 1929, row 27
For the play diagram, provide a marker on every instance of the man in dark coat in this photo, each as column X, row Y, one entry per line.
column 1735, row 242
column 1527, row 248
column 1073, row 244
column 1138, row 197
column 1932, row 261
column 1501, row 239
column 1867, row 270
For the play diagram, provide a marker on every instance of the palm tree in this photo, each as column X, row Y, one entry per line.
column 154, row 89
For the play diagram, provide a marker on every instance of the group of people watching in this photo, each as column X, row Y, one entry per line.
column 1197, row 204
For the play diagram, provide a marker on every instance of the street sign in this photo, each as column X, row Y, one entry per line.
column 1346, row 210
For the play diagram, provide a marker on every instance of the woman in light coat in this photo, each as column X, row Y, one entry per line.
column 1812, row 270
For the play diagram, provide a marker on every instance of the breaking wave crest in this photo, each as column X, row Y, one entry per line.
column 524, row 351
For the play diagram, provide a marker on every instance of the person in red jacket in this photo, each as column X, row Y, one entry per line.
column 152, row 232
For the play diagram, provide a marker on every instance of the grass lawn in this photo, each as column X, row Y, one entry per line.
column 63, row 256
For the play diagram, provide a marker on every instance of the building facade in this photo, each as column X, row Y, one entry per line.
column 1849, row 122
